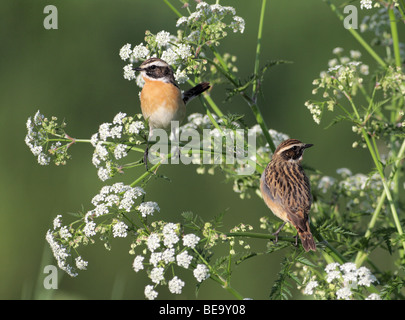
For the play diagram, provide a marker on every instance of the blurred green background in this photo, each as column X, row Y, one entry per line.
column 75, row 73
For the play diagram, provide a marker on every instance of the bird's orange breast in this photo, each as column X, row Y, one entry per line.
column 161, row 103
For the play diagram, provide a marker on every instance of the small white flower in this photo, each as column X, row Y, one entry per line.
column 332, row 275
column 120, row 151
column 238, row 24
column 348, row 267
column 181, row 76
column 129, row 73
column 43, row 160
column 138, row 263
column 90, row 229
column 119, row 117
column 190, row 240
column 201, row 272
column 337, row 50
column 64, row 233
column 153, row 242
column 183, row 51
column 170, row 56
column 125, row 52
column 148, row 208
column 176, row 285
column 309, row 289
column 368, row 4
column 181, row 21
column 168, row 255
column 155, row 258
column 136, row 127
column 150, row 294
column 104, row 131
column 120, row 230
column 366, row 278
column 57, row 222
column 184, row 259
column 157, row 275
column 344, row 172
column 374, row 296
column 325, row 183
column 344, row 293
column 162, row 38
column 139, row 52
column 355, row 54
column 169, row 234
column 81, row 264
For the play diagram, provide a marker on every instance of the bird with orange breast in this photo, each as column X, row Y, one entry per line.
column 161, row 98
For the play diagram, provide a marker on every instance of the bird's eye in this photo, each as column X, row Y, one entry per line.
column 152, row 67
column 295, row 148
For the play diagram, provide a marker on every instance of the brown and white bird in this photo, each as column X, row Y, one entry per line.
column 161, row 98
column 286, row 190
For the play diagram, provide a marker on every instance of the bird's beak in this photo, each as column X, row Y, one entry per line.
column 309, row 145
column 138, row 69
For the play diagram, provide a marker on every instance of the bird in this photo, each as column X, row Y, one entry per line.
column 161, row 98
column 286, row 190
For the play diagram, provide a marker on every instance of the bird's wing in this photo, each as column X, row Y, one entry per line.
column 293, row 195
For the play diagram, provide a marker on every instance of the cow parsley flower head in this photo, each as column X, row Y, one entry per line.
column 176, row 285
column 125, row 52
column 120, row 230
column 162, row 38
column 201, row 272
column 150, row 293
column 341, row 281
column 190, row 240
column 367, row 4
column 148, row 208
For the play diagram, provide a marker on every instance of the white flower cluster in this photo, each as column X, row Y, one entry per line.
column 112, row 199
column 182, row 51
column 166, row 247
column 35, row 138
column 58, row 238
column 342, row 279
column 173, row 52
column 367, row 4
column 345, row 74
column 213, row 15
column 105, row 153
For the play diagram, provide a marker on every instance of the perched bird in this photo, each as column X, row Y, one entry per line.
column 161, row 99
column 286, row 190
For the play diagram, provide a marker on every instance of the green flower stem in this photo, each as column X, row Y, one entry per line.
column 259, row 44
column 377, row 161
column 254, row 106
column 256, row 235
column 357, row 36
column 361, row 255
column 148, row 173
column 337, row 256
column 394, row 34
column 214, row 276
column 172, row 8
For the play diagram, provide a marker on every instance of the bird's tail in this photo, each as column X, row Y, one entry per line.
column 307, row 240
column 195, row 91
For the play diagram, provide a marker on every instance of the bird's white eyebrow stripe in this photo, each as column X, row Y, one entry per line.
column 156, row 63
column 289, row 147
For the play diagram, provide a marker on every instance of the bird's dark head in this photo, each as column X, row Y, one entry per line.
column 156, row 69
column 291, row 150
